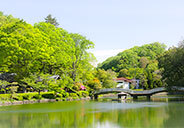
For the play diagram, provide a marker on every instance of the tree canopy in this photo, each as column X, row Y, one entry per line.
column 138, row 62
column 132, row 58
column 172, row 63
column 28, row 50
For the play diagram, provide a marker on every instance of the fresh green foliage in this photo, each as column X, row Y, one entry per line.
column 43, row 95
column 173, row 67
column 61, row 48
column 106, row 78
column 23, row 49
column 40, row 51
column 83, row 93
column 38, row 82
column 139, row 63
column 4, row 19
column 94, row 84
column 134, row 57
column 81, row 58
column 123, row 73
column 35, row 53
column 3, row 85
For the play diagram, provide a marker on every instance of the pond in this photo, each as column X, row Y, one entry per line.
column 95, row 114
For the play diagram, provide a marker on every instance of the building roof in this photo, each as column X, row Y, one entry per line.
column 122, row 79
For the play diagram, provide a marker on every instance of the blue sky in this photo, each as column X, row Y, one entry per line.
column 113, row 25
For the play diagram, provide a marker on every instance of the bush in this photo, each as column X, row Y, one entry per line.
column 37, row 96
column 45, row 95
column 58, row 99
column 94, row 84
column 73, row 95
column 17, row 97
column 48, row 95
column 65, row 94
column 28, row 96
column 59, row 95
column 5, row 97
column 83, row 93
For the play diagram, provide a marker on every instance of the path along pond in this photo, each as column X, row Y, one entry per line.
column 160, row 112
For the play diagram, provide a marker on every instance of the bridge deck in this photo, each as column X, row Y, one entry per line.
column 131, row 92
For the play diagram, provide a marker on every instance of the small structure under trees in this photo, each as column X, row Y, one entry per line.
column 123, row 83
column 126, row 83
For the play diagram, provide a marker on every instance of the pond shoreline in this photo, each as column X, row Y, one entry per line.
column 9, row 103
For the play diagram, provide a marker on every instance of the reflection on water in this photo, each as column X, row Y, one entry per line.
column 91, row 114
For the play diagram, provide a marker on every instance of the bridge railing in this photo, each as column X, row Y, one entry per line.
column 129, row 91
column 133, row 93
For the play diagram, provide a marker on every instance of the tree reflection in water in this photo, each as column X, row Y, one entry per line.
column 92, row 114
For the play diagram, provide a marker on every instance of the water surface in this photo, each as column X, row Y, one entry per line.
column 94, row 114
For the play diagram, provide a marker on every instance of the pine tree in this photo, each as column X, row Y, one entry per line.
column 51, row 20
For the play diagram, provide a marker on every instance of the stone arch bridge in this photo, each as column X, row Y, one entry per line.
column 134, row 94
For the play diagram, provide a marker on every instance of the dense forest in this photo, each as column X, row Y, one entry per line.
column 151, row 63
column 138, row 62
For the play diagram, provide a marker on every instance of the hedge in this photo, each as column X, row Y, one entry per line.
column 43, row 95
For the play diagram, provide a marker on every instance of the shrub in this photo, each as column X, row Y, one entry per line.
column 28, row 96
column 5, row 97
column 94, row 84
column 17, row 97
column 37, row 96
column 83, row 93
column 48, row 95
column 65, row 94
column 73, row 95
column 59, row 96
column 78, row 86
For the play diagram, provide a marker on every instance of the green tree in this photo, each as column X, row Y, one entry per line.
column 22, row 48
column 62, row 49
column 106, row 78
column 4, row 19
column 39, row 82
column 123, row 73
column 94, row 84
column 173, row 67
column 143, row 62
column 3, row 85
column 44, row 49
column 81, row 57
column 144, row 80
column 51, row 20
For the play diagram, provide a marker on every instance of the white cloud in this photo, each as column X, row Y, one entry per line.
column 102, row 55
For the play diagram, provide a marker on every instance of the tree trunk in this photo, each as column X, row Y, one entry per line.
column 74, row 72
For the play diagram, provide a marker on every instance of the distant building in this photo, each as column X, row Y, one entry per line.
column 123, row 83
